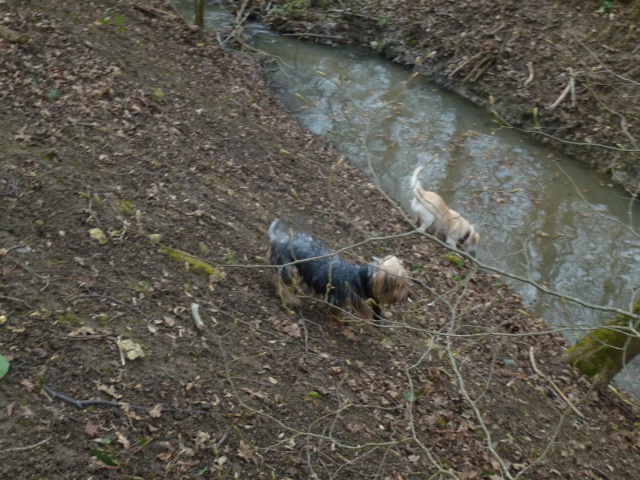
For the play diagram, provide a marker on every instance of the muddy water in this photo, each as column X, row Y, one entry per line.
column 540, row 215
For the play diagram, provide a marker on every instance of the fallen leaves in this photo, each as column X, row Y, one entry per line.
column 91, row 429
column 12, row 36
column 132, row 349
column 99, row 236
column 122, row 440
column 156, row 411
column 110, row 390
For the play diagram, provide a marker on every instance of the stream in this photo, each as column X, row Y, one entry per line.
column 540, row 215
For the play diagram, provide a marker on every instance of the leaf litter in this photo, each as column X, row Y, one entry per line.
column 108, row 134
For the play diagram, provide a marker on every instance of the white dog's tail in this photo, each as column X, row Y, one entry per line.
column 415, row 183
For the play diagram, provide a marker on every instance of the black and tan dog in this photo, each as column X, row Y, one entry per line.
column 305, row 259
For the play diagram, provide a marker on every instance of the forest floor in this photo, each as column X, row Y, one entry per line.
column 128, row 137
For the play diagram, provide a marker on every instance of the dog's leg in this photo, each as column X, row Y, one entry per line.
column 335, row 320
column 286, row 291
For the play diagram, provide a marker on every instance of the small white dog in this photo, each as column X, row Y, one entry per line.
column 433, row 214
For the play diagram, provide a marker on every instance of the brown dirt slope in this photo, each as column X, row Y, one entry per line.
column 117, row 119
column 514, row 58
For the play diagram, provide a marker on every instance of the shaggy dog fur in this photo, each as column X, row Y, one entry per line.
column 434, row 215
column 304, row 259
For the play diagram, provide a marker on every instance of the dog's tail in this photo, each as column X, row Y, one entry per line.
column 276, row 229
column 415, row 183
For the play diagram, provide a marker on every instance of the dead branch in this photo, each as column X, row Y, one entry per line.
column 153, row 12
column 18, row 300
column 24, row 267
column 531, row 75
column 102, row 296
column 313, row 35
column 459, row 67
column 197, row 319
column 482, row 66
column 28, row 447
column 532, row 358
column 82, row 404
column 569, row 88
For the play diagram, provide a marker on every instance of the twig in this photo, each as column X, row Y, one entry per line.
column 482, row 66
column 107, row 297
column 118, row 339
column 28, row 447
column 18, row 300
column 241, row 10
column 197, row 319
column 110, row 403
column 239, row 21
column 454, row 17
column 28, row 269
column 556, row 388
column 569, row 88
column 459, row 67
column 154, row 12
column 81, row 403
column 531, row 75
column 223, row 439
column 313, row 35
column 354, row 14
column 599, row 472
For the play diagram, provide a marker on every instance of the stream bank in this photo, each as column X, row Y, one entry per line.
column 517, row 59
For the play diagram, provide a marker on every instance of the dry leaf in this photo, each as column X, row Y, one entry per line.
column 132, row 349
column 202, row 439
column 91, row 429
column 82, row 332
column 27, row 384
column 293, row 330
column 163, row 457
column 156, row 411
column 245, row 451
column 111, row 391
column 123, row 441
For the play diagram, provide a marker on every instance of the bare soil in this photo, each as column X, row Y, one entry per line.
column 118, row 118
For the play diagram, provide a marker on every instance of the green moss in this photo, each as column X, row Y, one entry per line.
column 158, row 95
column 141, row 287
column 102, row 320
column 67, row 318
column 195, row 264
column 601, row 350
column 126, row 207
column 94, row 198
column 456, row 260
column 479, row 434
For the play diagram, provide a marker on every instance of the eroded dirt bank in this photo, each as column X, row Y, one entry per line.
column 117, row 118
column 566, row 72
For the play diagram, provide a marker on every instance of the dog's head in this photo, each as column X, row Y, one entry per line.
column 390, row 281
column 469, row 242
